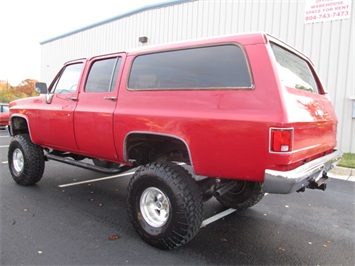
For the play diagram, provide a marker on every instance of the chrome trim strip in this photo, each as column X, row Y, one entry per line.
column 293, row 134
column 306, row 148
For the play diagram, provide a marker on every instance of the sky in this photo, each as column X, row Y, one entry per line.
column 26, row 23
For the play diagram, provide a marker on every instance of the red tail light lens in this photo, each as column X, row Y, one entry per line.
column 281, row 140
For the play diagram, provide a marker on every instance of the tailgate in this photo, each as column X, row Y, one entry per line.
column 314, row 123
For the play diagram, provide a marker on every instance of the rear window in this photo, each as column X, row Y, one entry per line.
column 223, row 66
column 294, row 71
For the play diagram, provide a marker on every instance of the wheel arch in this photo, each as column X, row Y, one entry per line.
column 19, row 125
column 145, row 147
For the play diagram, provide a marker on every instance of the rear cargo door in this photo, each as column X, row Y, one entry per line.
column 93, row 116
column 310, row 112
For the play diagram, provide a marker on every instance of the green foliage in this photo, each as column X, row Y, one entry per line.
column 25, row 89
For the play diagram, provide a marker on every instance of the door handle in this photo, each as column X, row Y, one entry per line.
column 74, row 99
column 112, row 98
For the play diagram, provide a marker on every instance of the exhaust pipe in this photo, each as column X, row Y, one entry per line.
column 224, row 189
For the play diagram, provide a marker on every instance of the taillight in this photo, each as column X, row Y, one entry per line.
column 281, row 139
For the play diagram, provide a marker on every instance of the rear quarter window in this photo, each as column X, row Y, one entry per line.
column 222, row 66
column 294, row 71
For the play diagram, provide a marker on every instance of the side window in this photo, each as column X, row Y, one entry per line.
column 212, row 67
column 68, row 80
column 103, row 75
column 294, row 71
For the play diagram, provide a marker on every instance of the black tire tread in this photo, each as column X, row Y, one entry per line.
column 189, row 202
column 256, row 193
column 33, row 157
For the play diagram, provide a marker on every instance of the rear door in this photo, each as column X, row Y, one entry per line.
column 93, row 118
column 310, row 112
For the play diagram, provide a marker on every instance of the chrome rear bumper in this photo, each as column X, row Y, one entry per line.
column 284, row 182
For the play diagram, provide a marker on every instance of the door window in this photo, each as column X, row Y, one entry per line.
column 103, row 75
column 68, row 80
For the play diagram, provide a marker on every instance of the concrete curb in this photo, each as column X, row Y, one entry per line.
column 342, row 173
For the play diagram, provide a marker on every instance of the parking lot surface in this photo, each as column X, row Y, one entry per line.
column 62, row 222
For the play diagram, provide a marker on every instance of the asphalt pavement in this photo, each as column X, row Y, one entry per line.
column 64, row 220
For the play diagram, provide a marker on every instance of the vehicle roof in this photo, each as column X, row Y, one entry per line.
column 242, row 38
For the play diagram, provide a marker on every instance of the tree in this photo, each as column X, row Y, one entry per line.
column 25, row 89
column 4, row 85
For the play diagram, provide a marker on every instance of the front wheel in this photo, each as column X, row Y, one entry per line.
column 26, row 160
column 242, row 195
column 165, row 205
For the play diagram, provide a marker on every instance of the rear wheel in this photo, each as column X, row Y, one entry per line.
column 243, row 195
column 26, row 160
column 165, row 205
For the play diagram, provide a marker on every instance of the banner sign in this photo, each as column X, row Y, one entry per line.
column 327, row 10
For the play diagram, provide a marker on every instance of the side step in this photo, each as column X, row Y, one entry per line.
column 111, row 171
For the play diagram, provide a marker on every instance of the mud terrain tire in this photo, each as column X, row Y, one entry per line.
column 26, row 160
column 243, row 195
column 165, row 205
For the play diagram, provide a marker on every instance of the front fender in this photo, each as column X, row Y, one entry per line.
column 19, row 124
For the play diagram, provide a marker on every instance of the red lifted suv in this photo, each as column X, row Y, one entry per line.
column 246, row 114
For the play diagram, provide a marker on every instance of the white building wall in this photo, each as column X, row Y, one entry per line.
column 330, row 44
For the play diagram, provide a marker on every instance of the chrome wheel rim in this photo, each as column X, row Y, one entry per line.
column 154, row 206
column 18, row 160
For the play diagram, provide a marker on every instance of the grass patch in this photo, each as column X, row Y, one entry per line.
column 348, row 160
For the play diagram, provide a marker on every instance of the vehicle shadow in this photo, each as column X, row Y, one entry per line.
column 253, row 237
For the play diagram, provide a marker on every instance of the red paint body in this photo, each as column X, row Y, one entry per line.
column 227, row 131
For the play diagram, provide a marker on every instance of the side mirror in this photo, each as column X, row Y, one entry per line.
column 41, row 87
